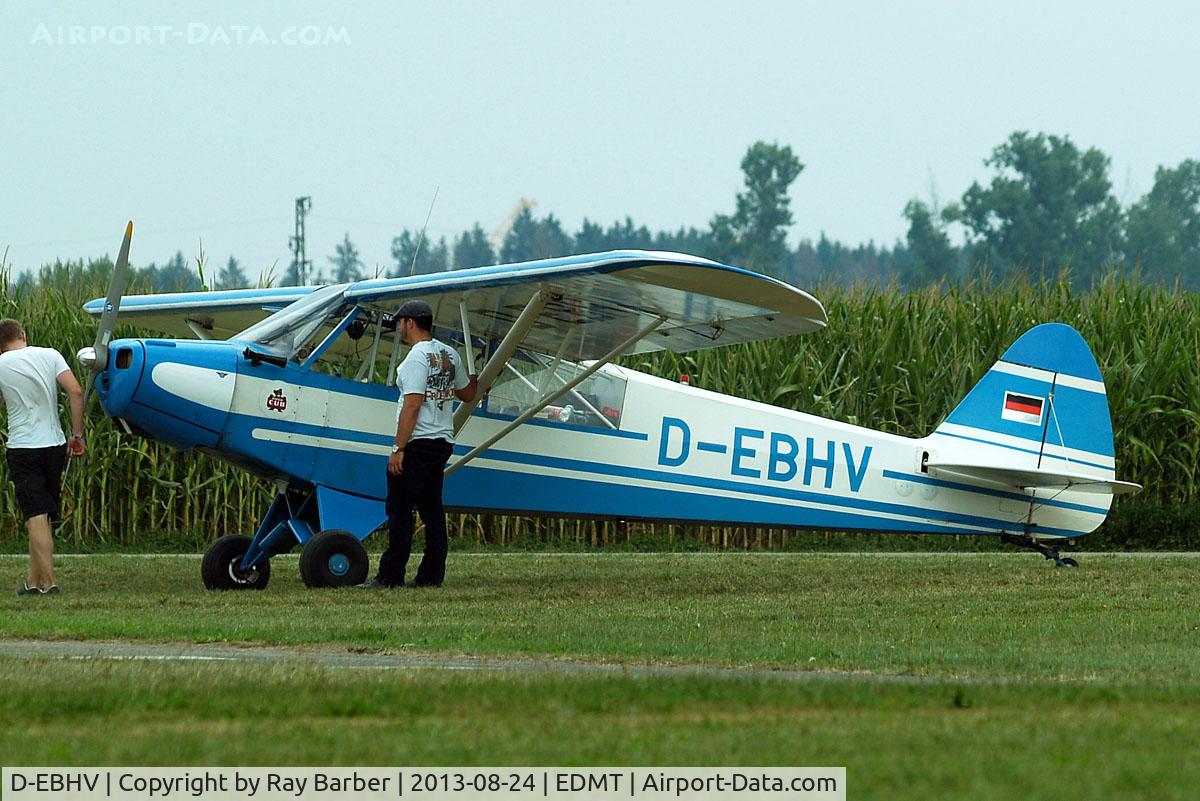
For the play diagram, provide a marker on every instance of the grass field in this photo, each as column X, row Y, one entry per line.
column 1038, row 682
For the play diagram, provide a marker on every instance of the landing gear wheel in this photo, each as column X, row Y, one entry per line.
column 333, row 558
column 221, row 567
column 1067, row 561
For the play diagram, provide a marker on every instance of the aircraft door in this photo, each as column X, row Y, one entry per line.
column 307, row 424
column 359, row 430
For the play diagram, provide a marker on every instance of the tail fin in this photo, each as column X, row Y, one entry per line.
column 1037, row 422
column 1042, row 406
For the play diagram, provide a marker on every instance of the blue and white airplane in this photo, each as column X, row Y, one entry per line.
column 297, row 385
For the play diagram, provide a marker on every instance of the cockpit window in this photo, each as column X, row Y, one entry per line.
column 293, row 330
column 595, row 403
column 362, row 352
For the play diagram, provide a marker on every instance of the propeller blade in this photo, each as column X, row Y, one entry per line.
column 112, row 302
column 108, row 318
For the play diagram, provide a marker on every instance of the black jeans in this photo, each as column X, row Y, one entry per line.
column 419, row 486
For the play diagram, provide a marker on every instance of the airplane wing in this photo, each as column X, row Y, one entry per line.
column 207, row 315
column 1035, row 479
column 599, row 299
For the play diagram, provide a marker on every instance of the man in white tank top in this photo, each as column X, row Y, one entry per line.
column 36, row 450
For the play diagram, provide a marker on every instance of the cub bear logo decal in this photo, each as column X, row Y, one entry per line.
column 276, row 401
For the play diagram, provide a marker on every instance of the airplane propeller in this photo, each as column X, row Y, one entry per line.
column 95, row 357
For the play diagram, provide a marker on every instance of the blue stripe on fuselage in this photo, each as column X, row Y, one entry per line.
column 706, row 482
column 478, row 488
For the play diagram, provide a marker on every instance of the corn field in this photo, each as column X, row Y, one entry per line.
column 891, row 360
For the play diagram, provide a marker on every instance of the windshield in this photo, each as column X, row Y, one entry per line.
column 287, row 331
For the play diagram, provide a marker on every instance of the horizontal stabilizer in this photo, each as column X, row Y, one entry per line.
column 1034, row 478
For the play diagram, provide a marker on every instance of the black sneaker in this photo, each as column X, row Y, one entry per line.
column 376, row 584
column 51, row 590
column 27, row 590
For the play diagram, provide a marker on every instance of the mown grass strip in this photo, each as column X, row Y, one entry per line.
column 982, row 616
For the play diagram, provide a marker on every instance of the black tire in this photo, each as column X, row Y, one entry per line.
column 1069, row 562
column 220, row 567
column 333, row 558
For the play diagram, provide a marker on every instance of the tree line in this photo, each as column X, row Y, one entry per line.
column 1047, row 208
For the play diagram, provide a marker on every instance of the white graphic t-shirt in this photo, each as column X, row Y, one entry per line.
column 29, row 381
column 435, row 371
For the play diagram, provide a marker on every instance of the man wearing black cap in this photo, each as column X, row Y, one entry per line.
column 430, row 378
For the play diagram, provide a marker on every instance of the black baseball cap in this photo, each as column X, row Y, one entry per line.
column 414, row 309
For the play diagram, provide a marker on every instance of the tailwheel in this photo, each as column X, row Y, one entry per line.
column 333, row 558
column 221, row 568
column 1044, row 550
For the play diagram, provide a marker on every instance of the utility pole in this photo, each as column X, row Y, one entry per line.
column 300, row 263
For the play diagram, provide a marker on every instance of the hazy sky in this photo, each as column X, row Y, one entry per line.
column 209, row 119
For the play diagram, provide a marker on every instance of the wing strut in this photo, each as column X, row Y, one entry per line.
column 198, row 329
column 375, row 346
column 468, row 342
column 546, row 400
column 390, row 379
column 508, row 346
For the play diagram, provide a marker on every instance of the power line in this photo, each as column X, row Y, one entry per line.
column 154, row 232
column 395, row 226
column 354, row 222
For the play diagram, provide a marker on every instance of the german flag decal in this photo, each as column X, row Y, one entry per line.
column 1023, row 408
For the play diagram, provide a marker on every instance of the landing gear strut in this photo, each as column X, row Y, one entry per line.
column 1021, row 541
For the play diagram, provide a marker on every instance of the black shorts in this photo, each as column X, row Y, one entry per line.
column 37, row 475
